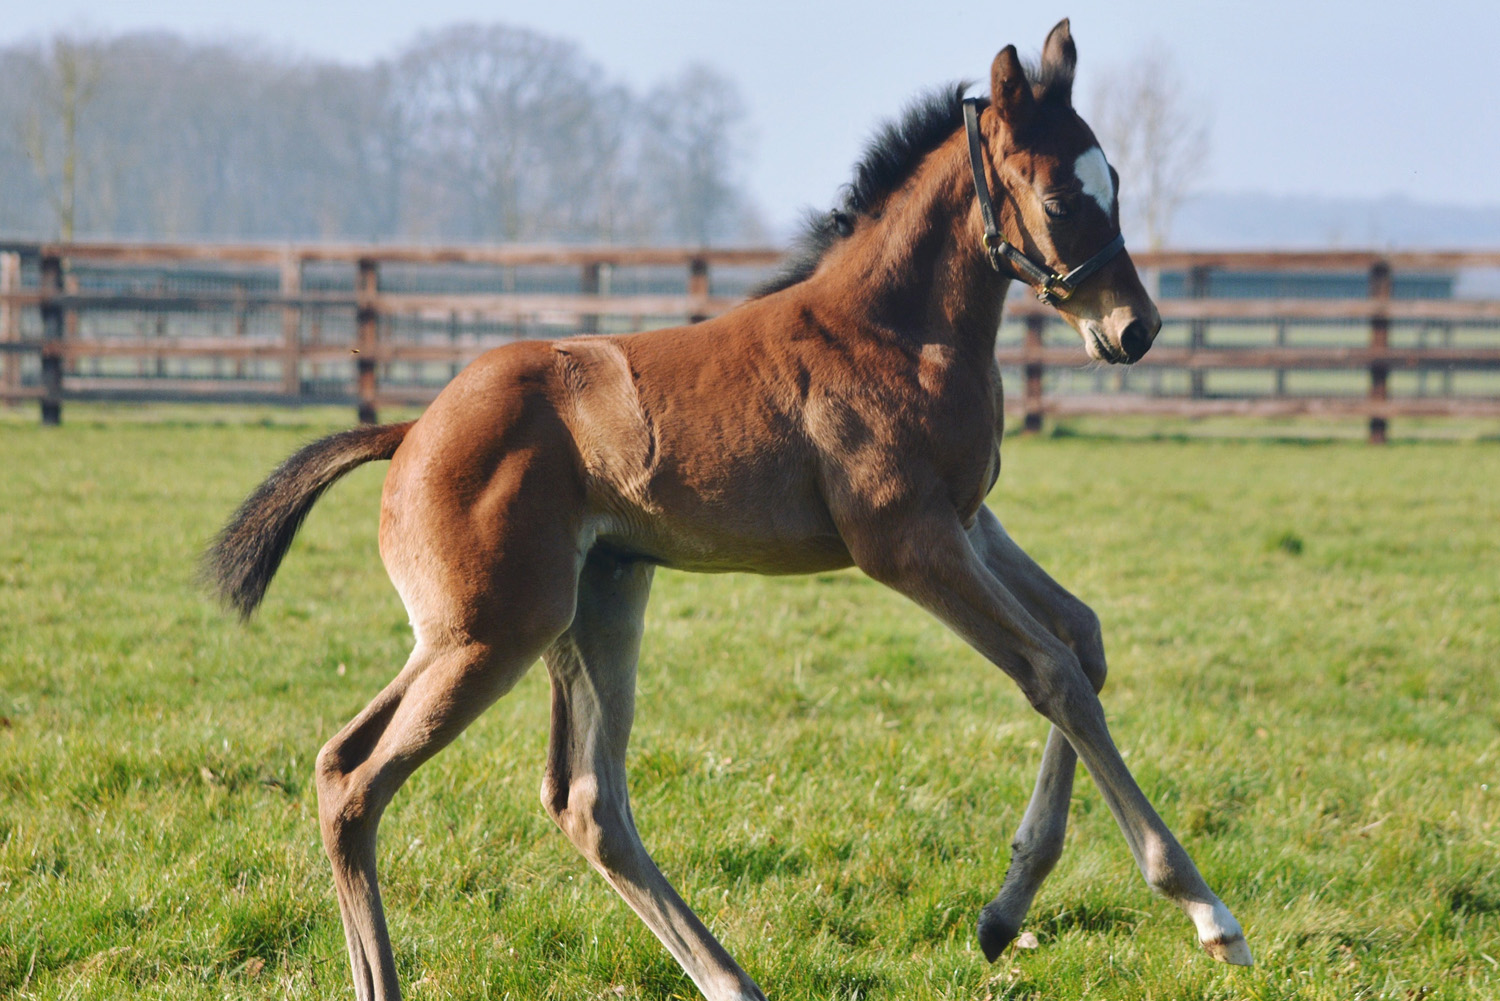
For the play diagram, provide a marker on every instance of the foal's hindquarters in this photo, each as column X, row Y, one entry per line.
column 484, row 531
column 484, row 601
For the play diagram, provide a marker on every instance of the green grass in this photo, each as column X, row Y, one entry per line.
column 1303, row 638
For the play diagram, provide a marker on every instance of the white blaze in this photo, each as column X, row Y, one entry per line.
column 1092, row 171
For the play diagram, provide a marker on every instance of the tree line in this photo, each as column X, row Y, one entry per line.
column 470, row 133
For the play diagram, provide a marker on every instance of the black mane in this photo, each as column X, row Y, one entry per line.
column 890, row 156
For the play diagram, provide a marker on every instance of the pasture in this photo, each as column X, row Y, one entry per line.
column 1303, row 642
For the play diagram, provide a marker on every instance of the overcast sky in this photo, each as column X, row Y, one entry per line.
column 1356, row 99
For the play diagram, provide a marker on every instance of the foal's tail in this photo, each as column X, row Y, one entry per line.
column 243, row 557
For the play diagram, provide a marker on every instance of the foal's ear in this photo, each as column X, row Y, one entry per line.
column 1010, row 91
column 1059, row 58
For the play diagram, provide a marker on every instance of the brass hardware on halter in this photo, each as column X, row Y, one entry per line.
column 1052, row 289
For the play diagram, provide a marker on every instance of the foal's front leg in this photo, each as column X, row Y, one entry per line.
column 1038, row 843
column 931, row 560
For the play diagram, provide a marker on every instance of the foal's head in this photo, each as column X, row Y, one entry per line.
column 1058, row 197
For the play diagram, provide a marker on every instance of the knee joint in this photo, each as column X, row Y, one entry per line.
column 331, row 777
column 1079, row 628
column 349, row 804
column 595, row 823
column 328, row 767
column 1059, row 685
column 1087, row 640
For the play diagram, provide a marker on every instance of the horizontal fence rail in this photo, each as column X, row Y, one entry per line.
column 375, row 326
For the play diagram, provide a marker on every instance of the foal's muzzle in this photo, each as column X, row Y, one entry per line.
column 1135, row 340
column 1127, row 332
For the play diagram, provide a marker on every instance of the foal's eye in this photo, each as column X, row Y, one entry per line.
column 1055, row 208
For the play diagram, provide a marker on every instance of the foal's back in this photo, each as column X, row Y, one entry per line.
column 703, row 447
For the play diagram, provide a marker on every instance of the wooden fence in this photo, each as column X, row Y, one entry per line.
column 362, row 325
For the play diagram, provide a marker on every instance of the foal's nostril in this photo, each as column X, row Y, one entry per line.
column 1135, row 341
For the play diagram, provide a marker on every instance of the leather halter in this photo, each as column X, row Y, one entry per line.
column 1051, row 287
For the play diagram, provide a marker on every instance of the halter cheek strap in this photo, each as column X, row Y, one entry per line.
column 1051, row 287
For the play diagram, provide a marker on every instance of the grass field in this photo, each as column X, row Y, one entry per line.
column 1304, row 642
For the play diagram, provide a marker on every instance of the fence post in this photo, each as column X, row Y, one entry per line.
column 588, row 284
column 1031, row 353
column 10, row 323
column 1447, row 380
column 367, row 325
column 698, row 287
column 291, row 327
column 52, row 340
column 1380, row 340
column 1422, row 370
column 241, row 324
column 1197, row 288
column 160, row 331
column 454, row 367
column 1281, row 327
column 71, row 366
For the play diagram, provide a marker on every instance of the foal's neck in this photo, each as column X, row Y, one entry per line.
column 918, row 267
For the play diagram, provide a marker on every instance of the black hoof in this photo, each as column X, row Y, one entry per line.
column 995, row 933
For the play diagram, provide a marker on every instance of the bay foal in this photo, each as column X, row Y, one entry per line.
column 849, row 414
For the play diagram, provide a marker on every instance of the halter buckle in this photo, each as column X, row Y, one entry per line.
column 1054, row 290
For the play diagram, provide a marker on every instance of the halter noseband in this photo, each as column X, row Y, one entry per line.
column 1051, row 287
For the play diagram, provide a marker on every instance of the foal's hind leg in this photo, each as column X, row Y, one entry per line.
column 1039, row 840
column 453, row 675
column 592, row 667
column 435, row 696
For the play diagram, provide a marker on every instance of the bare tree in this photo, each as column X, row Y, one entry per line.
column 695, row 145
column 64, row 79
column 1155, row 135
column 506, row 120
